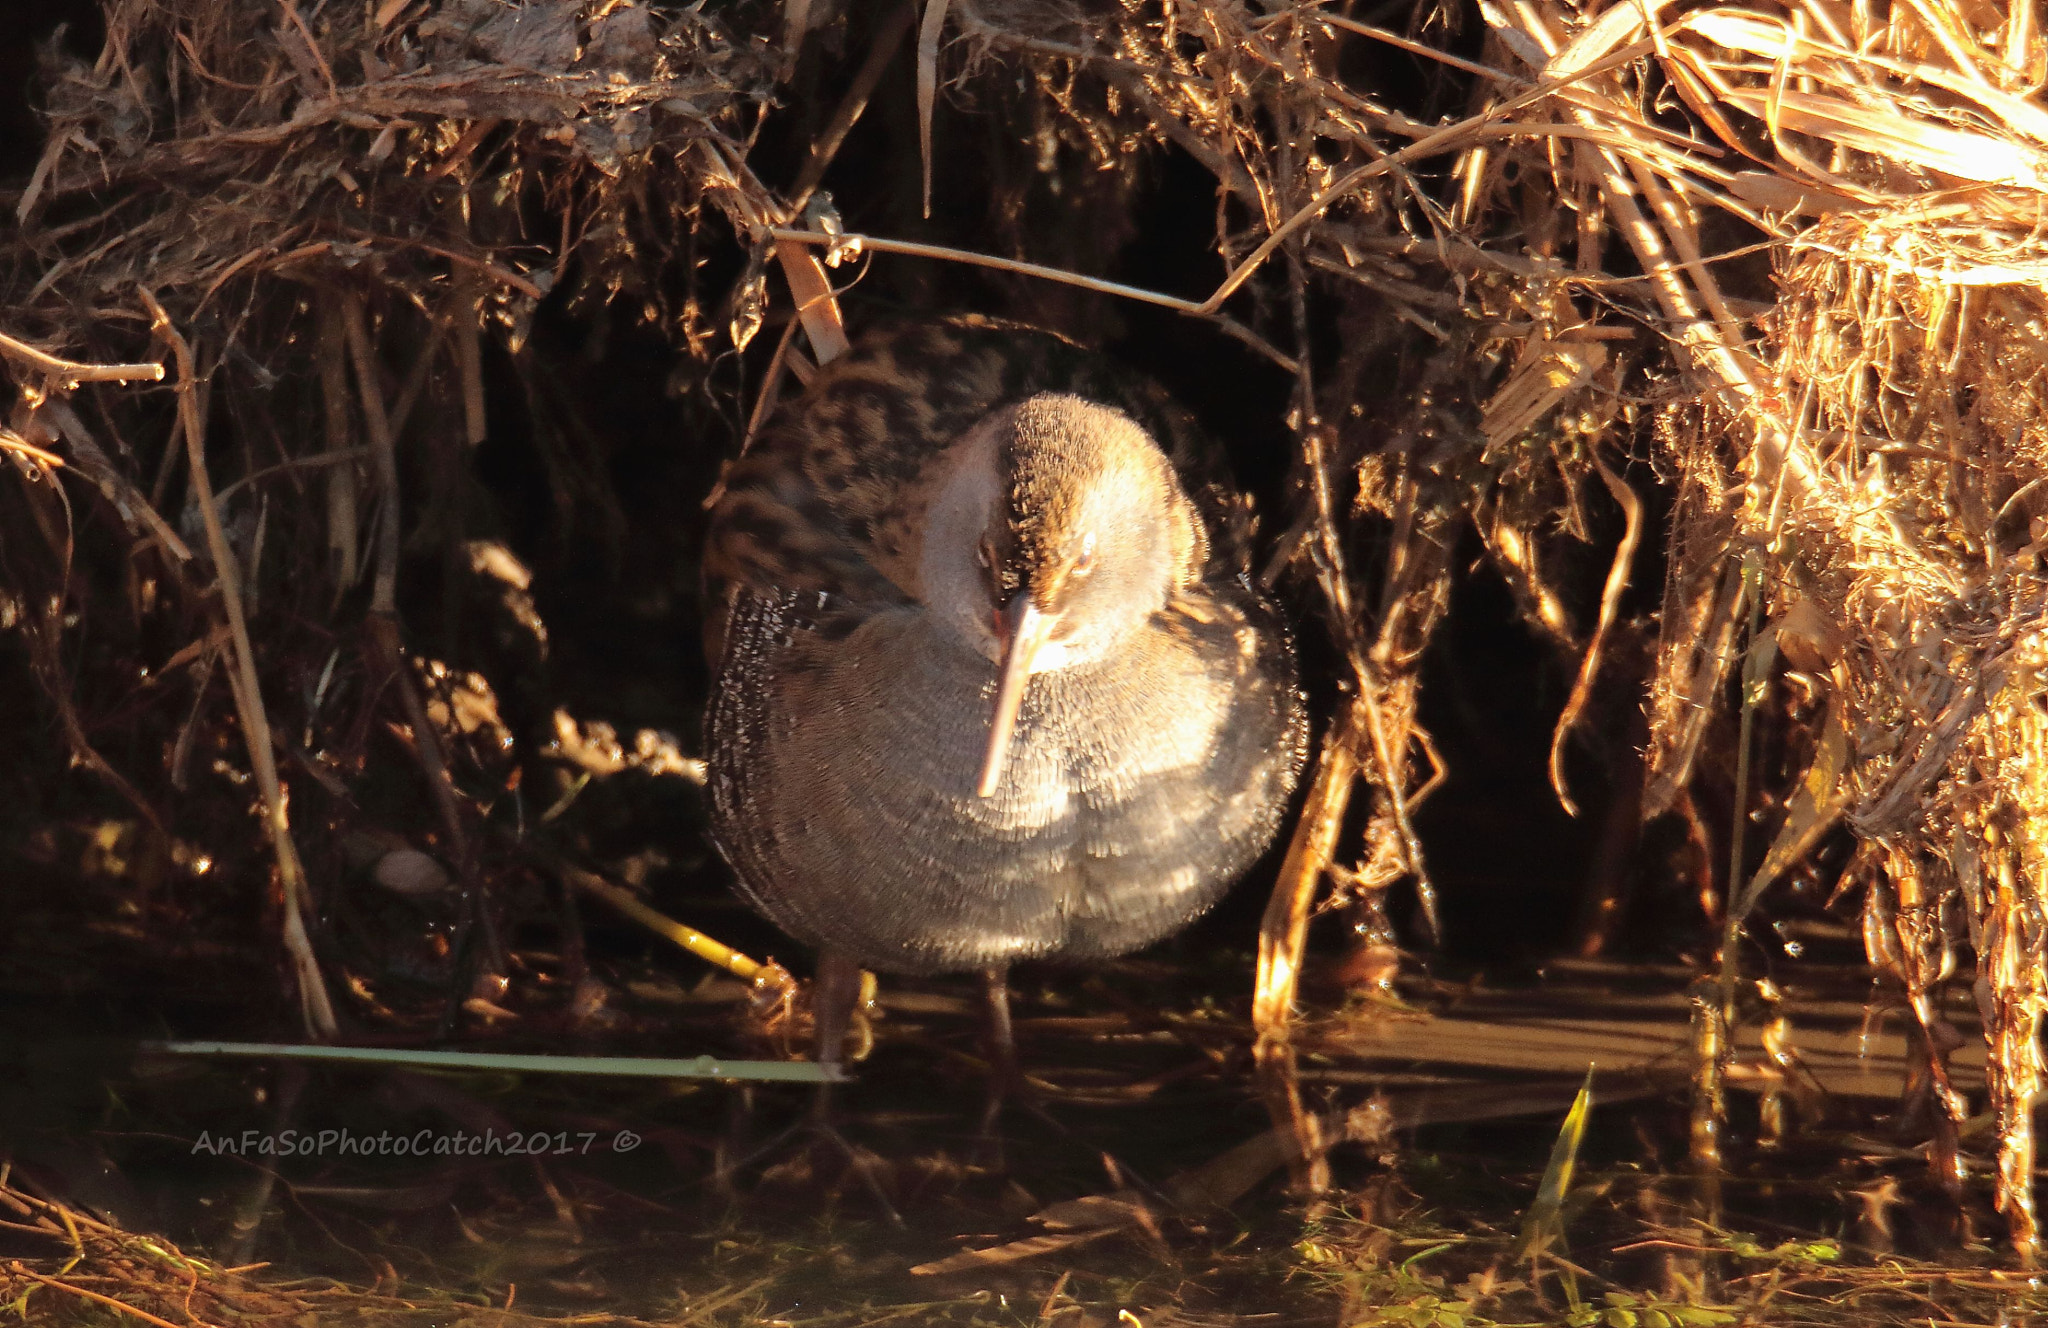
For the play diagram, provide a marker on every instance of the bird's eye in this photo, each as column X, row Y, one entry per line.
column 1084, row 561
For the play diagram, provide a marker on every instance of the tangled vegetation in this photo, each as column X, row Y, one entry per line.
column 1547, row 273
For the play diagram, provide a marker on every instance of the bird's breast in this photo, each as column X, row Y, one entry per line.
column 910, row 707
column 1135, row 788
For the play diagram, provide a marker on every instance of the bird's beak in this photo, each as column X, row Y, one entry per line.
column 1024, row 630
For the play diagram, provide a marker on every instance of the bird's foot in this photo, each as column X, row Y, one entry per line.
column 814, row 1153
column 865, row 1166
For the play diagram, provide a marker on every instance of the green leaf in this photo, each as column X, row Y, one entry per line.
column 1543, row 1223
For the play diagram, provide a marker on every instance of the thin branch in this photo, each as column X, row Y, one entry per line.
column 314, row 1006
column 13, row 442
column 1444, row 140
column 316, row 461
column 769, row 976
column 71, row 371
column 1610, row 609
column 817, row 305
column 383, row 455
column 888, row 36
column 912, row 249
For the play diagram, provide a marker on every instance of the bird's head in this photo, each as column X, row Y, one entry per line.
column 1059, row 531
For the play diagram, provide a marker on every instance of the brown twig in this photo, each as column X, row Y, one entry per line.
column 383, row 454
column 1392, row 759
column 343, row 538
column 314, row 1006
column 928, row 33
column 317, row 461
column 382, row 624
column 91, row 461
column 764, row 401
column 44, row 655
column 888, row 36
column 312, row 47
column 108, row 1301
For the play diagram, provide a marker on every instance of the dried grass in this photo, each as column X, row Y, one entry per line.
column 111, row 1276
column 1873, row 440
column 335, row 212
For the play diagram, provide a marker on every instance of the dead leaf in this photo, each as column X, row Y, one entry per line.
column 623, row 42
column 539, row 37
column 969, row 1260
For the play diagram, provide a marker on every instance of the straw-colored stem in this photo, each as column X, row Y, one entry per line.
column 343, row 542
column 928, row 33
column 912, row 249
column 14, row 442
column 770, row 976
column 466, row 325
column 72, row 371
column 315, row 1008
column 1392, row 760
column 817, row 305
column 1283, row 934
column 382, row 631
column 383, row 454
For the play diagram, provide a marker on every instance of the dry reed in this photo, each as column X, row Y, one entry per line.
column 1547, row 269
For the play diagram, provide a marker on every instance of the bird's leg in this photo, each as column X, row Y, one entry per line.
column 1007, row 1085
column 1003, row 1074
column 834, row 993
column 1002, row 1039
column 731, row 1150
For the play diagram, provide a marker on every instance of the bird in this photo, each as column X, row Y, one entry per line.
column 991, row 681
